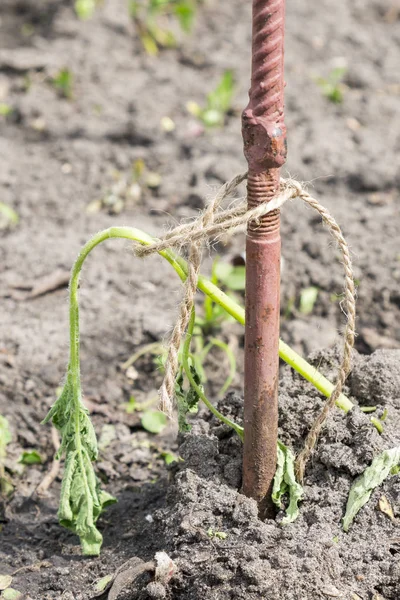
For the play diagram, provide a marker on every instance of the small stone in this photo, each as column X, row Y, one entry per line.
column 331, row 591
column 156, row 590
column 66, row 168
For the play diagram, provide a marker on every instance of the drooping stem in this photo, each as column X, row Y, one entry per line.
column 197, row 388
column 291, row 357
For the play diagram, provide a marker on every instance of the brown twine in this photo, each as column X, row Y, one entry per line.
column 213, row 222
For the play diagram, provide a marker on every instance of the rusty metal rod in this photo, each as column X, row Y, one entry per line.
column 264, row 137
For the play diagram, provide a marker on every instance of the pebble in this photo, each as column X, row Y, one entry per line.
column 331, row 591
column 156, row 590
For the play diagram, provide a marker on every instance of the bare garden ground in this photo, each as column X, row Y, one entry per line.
column 58, row 155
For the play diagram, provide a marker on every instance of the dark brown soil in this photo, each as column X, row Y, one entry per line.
column 58, row 155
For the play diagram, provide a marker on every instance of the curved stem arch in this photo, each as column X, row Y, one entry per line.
column 286, row 353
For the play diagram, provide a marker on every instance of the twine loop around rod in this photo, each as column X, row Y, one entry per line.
column 215, row 221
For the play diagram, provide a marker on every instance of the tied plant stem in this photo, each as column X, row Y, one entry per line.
column 286, row 353
column 82, row 499
column 195, row 386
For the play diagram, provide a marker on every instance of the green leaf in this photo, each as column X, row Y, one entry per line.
column 285, row 483
column 103, row 583
column 8, row 216
column 133, row 8
column 5, row 109
column 221, row 98
column 149, row 44
column 220, row 535
column 154, row 421
column 131, row 405
column 373, row 476
column 169, row 457
column 232, row 277
column 11, row 594
column 377, row 424
column 308, row 298
column 5, row 581
column 368, row 409
column 63, row 82
column 185, row 12
column 30, row 458
column 81, row 501
column 85, row 8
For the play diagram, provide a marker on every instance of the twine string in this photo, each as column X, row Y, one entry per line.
column 215, row 221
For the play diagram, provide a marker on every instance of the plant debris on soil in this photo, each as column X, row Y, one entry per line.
column 66, row 172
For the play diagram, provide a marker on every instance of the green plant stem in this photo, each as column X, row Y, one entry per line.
column 197, row 388
column 291, row 357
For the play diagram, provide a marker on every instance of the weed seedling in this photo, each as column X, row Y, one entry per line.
column 219, row 535
column 308, row 298
column 85, row 8
column 63, row 82
column 154, row 17
column 8, row 217
column 5, row 109
column 30, row 458
column 218, row 105
column 332, row 86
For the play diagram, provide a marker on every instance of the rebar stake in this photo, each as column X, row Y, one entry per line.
column 264, row 136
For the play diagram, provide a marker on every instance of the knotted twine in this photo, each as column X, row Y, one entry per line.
column 211, row 223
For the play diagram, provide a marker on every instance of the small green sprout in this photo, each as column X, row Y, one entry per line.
column 368, row 409
column 30, row 458
column 308, row 298
column 63, row 82
column 5, row 109
column 169, row 457
column 219, row 535
column 332, row 86
column 8, row 217
column 153, row 17
column 232, row 277
column 154, row 421
column 85, row 8
column 384, row 415
column 377, row 424
column 219, row 103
